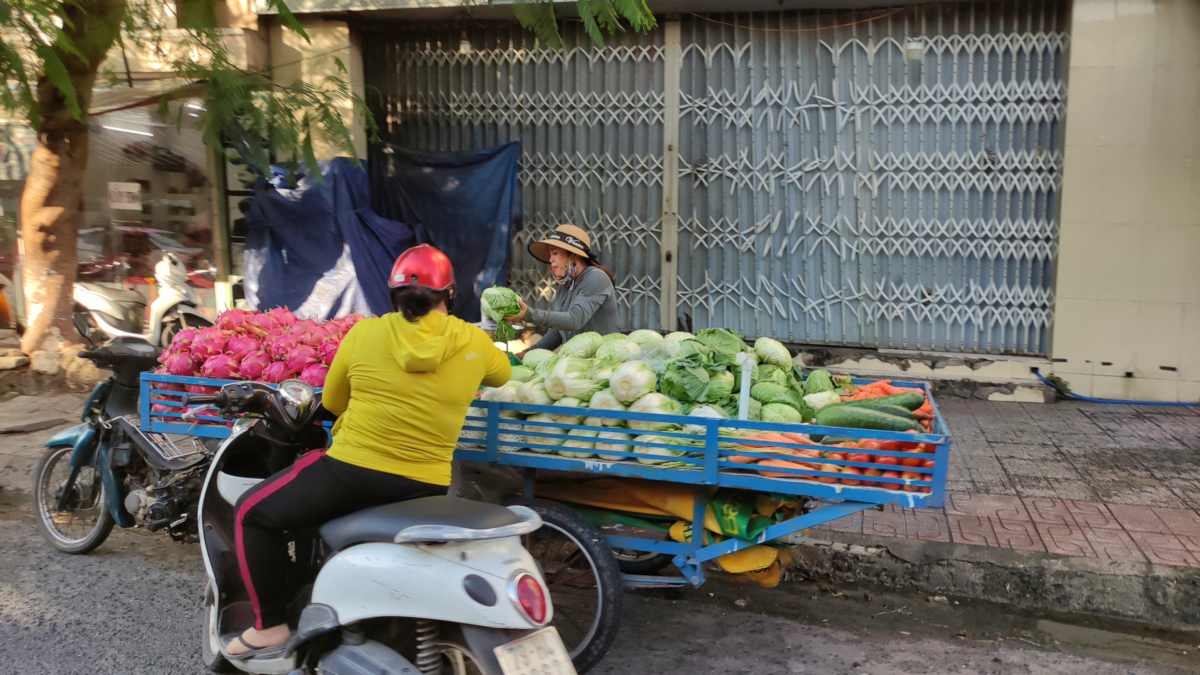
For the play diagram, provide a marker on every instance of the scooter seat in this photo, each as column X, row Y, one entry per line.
column 117, row 295
column 383, row 523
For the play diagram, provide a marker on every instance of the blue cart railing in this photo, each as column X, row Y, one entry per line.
column 708, row 456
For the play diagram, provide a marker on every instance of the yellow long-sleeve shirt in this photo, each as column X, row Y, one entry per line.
column 402, row 391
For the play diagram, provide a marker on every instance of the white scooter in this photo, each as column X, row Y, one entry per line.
column 121, row 313
column 433, row 585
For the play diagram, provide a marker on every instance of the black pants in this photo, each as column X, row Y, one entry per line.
column 311, row 492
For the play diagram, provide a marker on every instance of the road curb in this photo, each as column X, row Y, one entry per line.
column 1159, row 595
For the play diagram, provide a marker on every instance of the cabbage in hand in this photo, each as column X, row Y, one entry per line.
column 498, row 303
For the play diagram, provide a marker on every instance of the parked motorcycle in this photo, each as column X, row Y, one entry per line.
column 433, row 585
column 108, row 472
column 121, row 313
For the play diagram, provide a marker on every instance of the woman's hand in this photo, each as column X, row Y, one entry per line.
column 520, row 315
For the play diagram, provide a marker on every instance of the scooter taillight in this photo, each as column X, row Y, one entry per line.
column 527, row 593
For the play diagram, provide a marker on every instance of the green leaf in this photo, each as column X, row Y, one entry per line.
column 56, row 72
column 5, row 12
column 340, row 66
column 538, row 17
column 310, row 157
column 288, row 19
column 589, row 22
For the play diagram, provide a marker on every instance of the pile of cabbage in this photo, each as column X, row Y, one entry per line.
column 271, row 346
column 645, row 372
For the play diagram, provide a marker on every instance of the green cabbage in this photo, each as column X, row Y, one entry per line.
column 537, row 428
column 685, row 380
column 770, row 373
column 497, row 304
column 633, row 380
column 615, row 336
column 544, row 367
column 754, row 412
column 583, row 345
column 522, row 374
column 603, row 371
column 619, row 351
column 726, row 344
column 604, row 400
column 821, row 399
column 679, row 336
column 613, row 446
column 772, row 352
column 818, row 381
column 581, row 442
column 644, row 336
column 781, row 413
column 660, row 455
column 534, row 357
column 533, row 392
column 720, row 386
column 503, row 394
column 657, row 404
column 709, row 411
column 769, row 392
column 572, row 377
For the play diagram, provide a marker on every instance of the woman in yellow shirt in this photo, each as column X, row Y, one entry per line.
column 401, row 384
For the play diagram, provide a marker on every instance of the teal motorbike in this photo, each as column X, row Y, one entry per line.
column 107, row 472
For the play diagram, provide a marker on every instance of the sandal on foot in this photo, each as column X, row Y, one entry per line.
column 255, row 651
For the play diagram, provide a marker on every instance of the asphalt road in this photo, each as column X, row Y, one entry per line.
column 132, row 607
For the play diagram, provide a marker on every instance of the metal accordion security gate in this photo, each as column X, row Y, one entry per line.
column 884, row 178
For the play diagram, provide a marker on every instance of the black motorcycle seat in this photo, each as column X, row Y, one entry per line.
column 383, row 523
column 115, row 294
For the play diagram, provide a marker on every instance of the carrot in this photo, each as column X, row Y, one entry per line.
column 781, row 464
column 770, row 437
column 741, row 459
column 794, row 437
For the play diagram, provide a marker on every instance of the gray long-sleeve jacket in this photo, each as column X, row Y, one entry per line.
column 587, row 304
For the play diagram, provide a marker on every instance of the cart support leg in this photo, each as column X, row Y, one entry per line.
column 687, row 562
column 527, row 480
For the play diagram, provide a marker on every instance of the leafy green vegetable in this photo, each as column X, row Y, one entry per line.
column 613, row 445
column 531, row 429
column 633, row 380
column 655, row 453
column 821, row 399
column 619, row 351
column 720, row 385
column 726, row 344
column 572, row 377
column 644, row 336
column 615, row 336
column 568, row 402
column 772, row 352
column 498, row 303
column 521, row 374
column 533, row 392
column 581, row 442
column 685, row 380
column 535, row 357
column 583, row 345
column 604, row 400
column 679, row 336
column 818, row 381
column 657, row 404
column 781, row 413
column 770, row 373
column 754, row 413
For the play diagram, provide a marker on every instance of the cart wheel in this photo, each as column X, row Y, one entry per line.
column 640, row 562
column 584, row 581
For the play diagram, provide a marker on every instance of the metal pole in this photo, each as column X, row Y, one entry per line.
column 672, row 64
column 220, row 226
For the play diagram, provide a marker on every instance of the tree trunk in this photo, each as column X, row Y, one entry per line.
column 52, row 204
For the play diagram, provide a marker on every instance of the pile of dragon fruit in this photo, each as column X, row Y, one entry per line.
column 271, row 346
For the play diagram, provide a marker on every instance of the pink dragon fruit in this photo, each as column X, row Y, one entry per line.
column 181, row 364
column 242, row 346
column 302, row 326
column 252, row 366
column 281, row 346
column 299, row 357
column 261, row 324
column 315, row 374
column 327, row 351
column 318, row 335
column 221, row 367
column 283, row 316
column 202, row 389
column 210, row 342
column 276, row 373
column 234, row 320
column 158, row 408
column 183, row 339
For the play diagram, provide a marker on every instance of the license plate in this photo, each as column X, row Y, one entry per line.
column 539, row 653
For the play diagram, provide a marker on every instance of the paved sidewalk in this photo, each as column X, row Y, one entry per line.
column 1078, row 479
column 26, row 423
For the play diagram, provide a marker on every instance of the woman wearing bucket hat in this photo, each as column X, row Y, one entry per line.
column 587, row 300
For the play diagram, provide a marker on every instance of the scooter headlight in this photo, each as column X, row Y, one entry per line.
column 297, row 396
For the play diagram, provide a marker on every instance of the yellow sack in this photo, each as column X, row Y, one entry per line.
column 768, row 578
column 631, row 495
column 757, row 557
column 681, row 532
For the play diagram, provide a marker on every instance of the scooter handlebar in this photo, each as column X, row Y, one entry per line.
column 192, row 400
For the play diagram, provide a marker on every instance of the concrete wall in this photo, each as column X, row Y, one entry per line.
column 1128, row 285
column 294, row 59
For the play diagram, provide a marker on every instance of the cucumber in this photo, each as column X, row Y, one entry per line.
column 896, row 410
column 911, row 401
column 858, row 417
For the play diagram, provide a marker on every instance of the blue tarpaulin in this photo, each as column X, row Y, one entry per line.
column 467, row 204
column 318, row 249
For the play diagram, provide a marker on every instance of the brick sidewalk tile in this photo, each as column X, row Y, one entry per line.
column 1093, row 515
column 973, row 530
column 1165, row 549
column 1113, row 545
column 986, row 506
column 1048, row 511
column 1184, row 522
column 927, row 524
column 890, row 522
column 1018, row 535
column 852, row 523
column 1139, row 518
column 1065, row 540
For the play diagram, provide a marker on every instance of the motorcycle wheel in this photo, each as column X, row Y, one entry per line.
column 210, row 649
column 86, row 522
column 458, row 660
column 173, row 323
column 585, row 582
column 640, row 562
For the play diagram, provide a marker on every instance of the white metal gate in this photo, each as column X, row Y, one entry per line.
column 882, row 179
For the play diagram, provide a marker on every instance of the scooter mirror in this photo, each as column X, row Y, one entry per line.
column 81, row 325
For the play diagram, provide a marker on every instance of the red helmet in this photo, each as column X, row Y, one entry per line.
column 425, row 266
